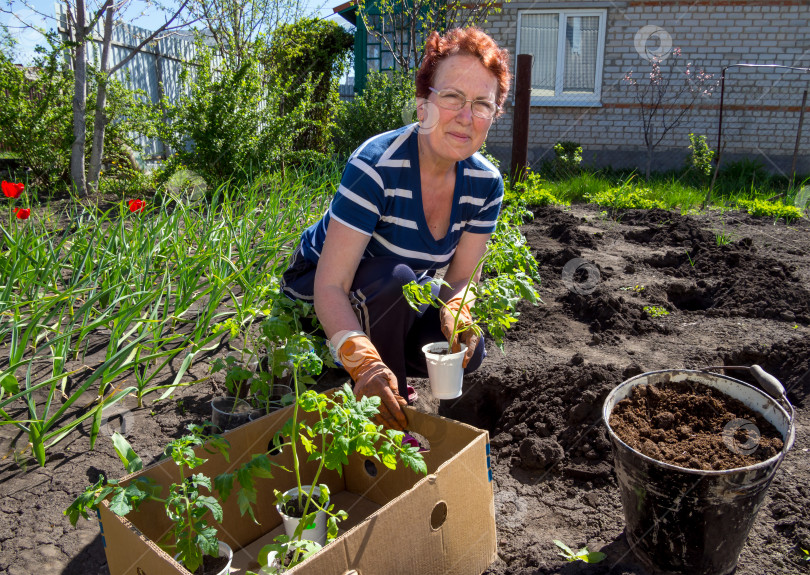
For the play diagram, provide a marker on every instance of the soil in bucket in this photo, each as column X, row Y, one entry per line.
column 692, row 425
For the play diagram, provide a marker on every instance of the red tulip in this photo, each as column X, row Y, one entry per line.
column 12, row 190
column 137, row 205
column 22, row 213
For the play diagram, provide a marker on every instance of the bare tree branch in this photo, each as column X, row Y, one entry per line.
column 149, row 39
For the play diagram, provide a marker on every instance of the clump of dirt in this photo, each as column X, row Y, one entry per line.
column 788, row 361
column 565, row 229
column 605, row 311
column 549, row 419
column 671, row 230
column 683, row 423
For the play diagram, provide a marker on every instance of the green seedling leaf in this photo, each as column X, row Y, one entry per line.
column 9, row 384
column 594, row 557
column 126, row 454
column 566, row 550
column 582, row 555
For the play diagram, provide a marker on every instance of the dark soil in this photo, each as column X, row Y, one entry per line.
column 738, row 304
column 211, row 565
column 683, row 424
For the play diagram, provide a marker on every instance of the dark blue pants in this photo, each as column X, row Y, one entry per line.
column 396, row 330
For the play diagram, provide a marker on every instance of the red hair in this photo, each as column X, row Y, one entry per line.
column 465, row 41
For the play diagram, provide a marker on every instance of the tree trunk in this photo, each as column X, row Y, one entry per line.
column 79, row 104
column 100, row 122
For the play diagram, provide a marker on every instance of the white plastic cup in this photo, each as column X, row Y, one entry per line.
column 317, row 532
column 445, row 370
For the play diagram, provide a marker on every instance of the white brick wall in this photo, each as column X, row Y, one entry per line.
column 761, row 107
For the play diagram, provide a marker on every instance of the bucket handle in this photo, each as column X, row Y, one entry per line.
column 769, row 383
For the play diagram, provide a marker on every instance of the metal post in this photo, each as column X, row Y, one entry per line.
column 520, row 118
column 720, row 123
column 798, row 137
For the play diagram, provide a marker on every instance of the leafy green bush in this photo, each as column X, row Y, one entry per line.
column 532, row 192
column 316, row 49
column 378, row 109
column 760, row 207
column 625, row 197
column 567, row 158
column 700, row 156
column 230, row 124
column 35, row 117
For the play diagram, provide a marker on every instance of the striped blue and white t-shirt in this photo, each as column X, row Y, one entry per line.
column 380, row 196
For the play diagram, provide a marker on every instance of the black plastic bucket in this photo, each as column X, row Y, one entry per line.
column 689, row 521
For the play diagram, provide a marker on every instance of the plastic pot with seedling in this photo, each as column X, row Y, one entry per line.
column 339, row 426
column 193, row 539
column 232, row 410
column 492, row 303
column 270, row 387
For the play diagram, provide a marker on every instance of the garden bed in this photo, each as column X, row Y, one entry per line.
column 743, row 302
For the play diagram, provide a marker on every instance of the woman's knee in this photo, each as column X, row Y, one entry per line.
column 399, row 276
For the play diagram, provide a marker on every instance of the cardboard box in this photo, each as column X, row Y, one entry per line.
column 399, row 522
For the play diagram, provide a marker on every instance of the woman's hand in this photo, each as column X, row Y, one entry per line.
column 467, row 337
column 371, row 377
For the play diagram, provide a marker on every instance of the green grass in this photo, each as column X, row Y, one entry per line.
column 679, row 191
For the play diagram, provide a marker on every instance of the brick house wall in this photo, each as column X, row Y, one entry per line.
column 761, row 107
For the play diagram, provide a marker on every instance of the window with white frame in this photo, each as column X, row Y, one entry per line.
column 568, row 48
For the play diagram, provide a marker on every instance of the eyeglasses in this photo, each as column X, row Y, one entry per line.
column 452, row 100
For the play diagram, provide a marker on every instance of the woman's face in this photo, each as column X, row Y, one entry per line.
column 454, row 135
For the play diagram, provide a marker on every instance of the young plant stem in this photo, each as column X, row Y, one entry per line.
column 457, row 315
column 311, row 493
column 294, row 435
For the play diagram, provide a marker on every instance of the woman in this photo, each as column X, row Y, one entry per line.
column 410, row 202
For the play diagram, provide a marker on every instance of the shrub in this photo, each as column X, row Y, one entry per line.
column 531, row 191
column 378, row 109
column 760, row 207
column 625, row 197
column 567, row 158
column 700, row 156
column 229, row 124
column 35, row 117
column 316, row 49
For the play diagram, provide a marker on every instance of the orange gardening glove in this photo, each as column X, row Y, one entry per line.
column 468, row 336
column 371, row 377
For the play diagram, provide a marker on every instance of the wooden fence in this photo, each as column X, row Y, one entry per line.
column 155, row 70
